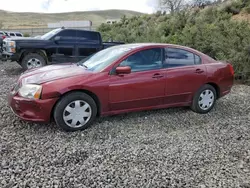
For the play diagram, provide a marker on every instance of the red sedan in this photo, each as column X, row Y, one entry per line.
column 121, row 79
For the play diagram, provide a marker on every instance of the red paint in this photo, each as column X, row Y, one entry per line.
column 126, row 92
column 30, row 110
column 123, row 70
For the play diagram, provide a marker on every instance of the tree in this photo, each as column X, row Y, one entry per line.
column 202, row 3
column 171, row 5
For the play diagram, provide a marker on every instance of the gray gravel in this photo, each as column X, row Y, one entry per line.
column 162, row 148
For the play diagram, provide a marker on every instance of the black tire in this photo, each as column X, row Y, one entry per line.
column 32, row 56
column 195, row 103
column 65, row 101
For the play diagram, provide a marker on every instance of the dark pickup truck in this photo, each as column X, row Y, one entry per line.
column 57, row 46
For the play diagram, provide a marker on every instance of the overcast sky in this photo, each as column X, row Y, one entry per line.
column 55, row 6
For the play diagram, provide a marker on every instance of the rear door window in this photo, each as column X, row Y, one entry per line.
column 197, row 59
column 87, row 35
column 67, row 34
column 176, row 57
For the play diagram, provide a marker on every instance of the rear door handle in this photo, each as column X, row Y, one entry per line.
column 199, row 71
column 157, row 75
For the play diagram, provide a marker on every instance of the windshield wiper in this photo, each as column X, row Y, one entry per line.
column 81, row 64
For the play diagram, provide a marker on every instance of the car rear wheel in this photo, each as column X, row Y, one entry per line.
column 204, row 99
column 33, row 60
column 75, row 111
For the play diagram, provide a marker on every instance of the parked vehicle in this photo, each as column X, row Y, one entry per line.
column 57, row 46
column 3, row 35
column 121, row 79
column 15, row 34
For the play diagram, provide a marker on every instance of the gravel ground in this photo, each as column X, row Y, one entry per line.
column 162, row 148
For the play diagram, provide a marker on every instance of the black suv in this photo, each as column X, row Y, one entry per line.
column 57, row 46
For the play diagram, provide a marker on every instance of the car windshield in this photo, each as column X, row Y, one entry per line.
column 102, row 59
column 50, row 34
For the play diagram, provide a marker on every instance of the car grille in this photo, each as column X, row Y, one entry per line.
column 4, row 46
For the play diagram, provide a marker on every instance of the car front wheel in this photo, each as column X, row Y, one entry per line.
column 75, row 111
column 204, row 99
column 33, row 60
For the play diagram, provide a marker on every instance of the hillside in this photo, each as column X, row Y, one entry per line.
column 12, row 20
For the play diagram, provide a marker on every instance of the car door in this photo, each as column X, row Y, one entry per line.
column 88, row 43
column 144, row 86
column 65, row 46
column 185, row 74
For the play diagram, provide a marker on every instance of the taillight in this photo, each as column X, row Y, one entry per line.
column 3, row 36
column 231, row 69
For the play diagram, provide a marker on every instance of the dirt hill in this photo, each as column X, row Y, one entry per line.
column 10, row 20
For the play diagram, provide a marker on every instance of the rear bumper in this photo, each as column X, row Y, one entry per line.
column 225, row 93
column 32, row 110
column 226, row 85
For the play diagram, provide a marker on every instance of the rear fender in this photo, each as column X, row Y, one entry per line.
column 227, row 79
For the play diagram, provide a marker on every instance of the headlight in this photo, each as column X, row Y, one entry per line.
column 30, row 91
column 11, row 46
column 11, row 43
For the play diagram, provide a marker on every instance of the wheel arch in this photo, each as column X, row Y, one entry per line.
column 216, row 87
column 38, row 51
column 91, row 94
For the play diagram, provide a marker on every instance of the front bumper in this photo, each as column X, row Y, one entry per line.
column 4, row 56
column 32, row 110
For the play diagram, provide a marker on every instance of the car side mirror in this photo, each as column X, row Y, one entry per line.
column 123, row 70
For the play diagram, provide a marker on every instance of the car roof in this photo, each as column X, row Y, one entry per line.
column 142, row 45
column 72, row 29
column 135, row 46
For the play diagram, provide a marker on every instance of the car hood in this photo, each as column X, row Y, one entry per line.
column 52, row 72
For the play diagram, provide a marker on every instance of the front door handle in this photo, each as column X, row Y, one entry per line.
column 199, row 71
column 157, row 75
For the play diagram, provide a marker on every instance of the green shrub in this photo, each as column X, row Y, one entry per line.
column 211, row 31
column 246, row 10
column 234, row 7
column 26, row 35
